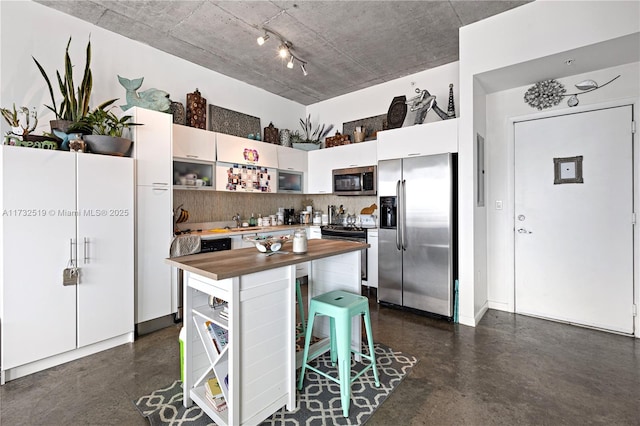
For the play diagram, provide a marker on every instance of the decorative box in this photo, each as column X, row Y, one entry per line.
column 271, row 134
column 337, row 140
column 196, row 110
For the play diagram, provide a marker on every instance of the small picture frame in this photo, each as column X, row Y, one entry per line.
column 567, row 170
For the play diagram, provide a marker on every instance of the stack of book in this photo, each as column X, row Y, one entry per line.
column 219, row 335
column 214, row 394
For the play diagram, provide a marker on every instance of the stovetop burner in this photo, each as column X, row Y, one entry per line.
column 342, row 228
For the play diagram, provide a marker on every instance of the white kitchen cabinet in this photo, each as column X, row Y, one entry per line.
column 184, row 170
column 193, row 144
column 81, row 208
column 372, row 258
column 236, row 150
column 155, row 285
column 152, row 147
column 422, row 139
column 292, row 159
column 245, row 178
column 322, row 162
column 237, row 241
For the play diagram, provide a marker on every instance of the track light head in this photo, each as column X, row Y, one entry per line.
column 303, row 68
column 290, row 63
column 261, row 40
column 283, row 50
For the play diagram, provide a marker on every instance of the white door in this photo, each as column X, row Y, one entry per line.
column 574, row 241
column 39, row 227
column 105, row 247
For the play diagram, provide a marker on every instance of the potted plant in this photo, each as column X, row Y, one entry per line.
column 105, row 130
column 75, row 102
column 310, row 139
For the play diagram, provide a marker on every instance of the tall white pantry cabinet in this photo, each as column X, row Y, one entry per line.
column 156, row 291
column 61, row 209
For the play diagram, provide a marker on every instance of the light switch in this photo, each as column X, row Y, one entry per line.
column 498, row 204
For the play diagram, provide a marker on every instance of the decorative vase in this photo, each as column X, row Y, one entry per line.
column 308, row 146
column 285, row 137
column 61, row 125
column 177, row 110
column 196, row 110
column 109, row 145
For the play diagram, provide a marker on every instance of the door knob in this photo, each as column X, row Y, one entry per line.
column 523, row 231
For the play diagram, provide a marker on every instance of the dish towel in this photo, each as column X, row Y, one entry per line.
column 183, row 245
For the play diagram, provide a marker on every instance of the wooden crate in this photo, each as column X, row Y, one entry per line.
column 337, row 140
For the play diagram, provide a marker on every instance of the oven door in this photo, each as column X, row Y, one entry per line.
column 363, row 256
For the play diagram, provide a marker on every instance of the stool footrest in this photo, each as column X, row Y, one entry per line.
column 337, row 380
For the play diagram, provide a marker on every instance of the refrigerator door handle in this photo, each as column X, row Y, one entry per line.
column 398, row 223
column 404, row 212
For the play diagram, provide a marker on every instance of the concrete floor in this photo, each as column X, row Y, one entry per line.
column 509, row 370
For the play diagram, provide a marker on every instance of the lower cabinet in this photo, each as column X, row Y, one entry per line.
column 80, row 209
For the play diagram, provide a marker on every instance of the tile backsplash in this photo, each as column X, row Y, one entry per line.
column 216, row 206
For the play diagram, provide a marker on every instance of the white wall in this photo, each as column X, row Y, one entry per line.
column 502, row 109
column 535, row 30
column 375, row 100
column 30, row 29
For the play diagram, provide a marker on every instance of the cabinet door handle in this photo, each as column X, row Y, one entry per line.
column 85, row 250
column 160, row 183
column 160, row 189
column 414, row 154
column 71, row 259
column 192, row 156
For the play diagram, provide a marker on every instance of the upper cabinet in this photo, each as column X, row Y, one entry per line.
column 236, row 150
column 292, row 159
column 193, row 144
column 323, row 161
column 152, row 145
column 423, row 139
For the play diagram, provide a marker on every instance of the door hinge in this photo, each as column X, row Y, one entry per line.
column 635, row 310
column 633, row 218
column 633, row 127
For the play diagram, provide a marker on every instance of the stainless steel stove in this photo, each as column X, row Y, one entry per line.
column 349, row 233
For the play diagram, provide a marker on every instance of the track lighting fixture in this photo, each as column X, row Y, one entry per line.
column 285, row 49
column 262, row 39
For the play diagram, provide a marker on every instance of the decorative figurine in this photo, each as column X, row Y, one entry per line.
column 154, row 99
column 423, row 103
column 196, row 110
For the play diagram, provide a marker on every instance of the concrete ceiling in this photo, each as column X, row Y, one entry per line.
column 348, row 45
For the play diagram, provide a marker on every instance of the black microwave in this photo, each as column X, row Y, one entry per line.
column 290, row 182
column 355, row 181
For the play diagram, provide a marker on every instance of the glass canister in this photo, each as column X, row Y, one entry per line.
column 300, row 241
column 317, row 217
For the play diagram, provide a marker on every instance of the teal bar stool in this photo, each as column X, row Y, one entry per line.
column 302, row 328
column 340, row 306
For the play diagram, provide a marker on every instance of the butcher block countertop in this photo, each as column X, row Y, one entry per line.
column 233, row 263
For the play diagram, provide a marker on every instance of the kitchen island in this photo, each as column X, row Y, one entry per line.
column 259, row 358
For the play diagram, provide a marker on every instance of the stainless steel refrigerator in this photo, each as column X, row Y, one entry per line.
column 417, row 239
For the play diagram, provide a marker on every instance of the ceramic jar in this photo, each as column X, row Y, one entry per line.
column 300, row 241
column 285, row 138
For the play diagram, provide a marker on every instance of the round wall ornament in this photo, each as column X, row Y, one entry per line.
column 545, row 94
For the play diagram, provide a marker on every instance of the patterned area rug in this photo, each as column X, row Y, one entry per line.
column 318, row 402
